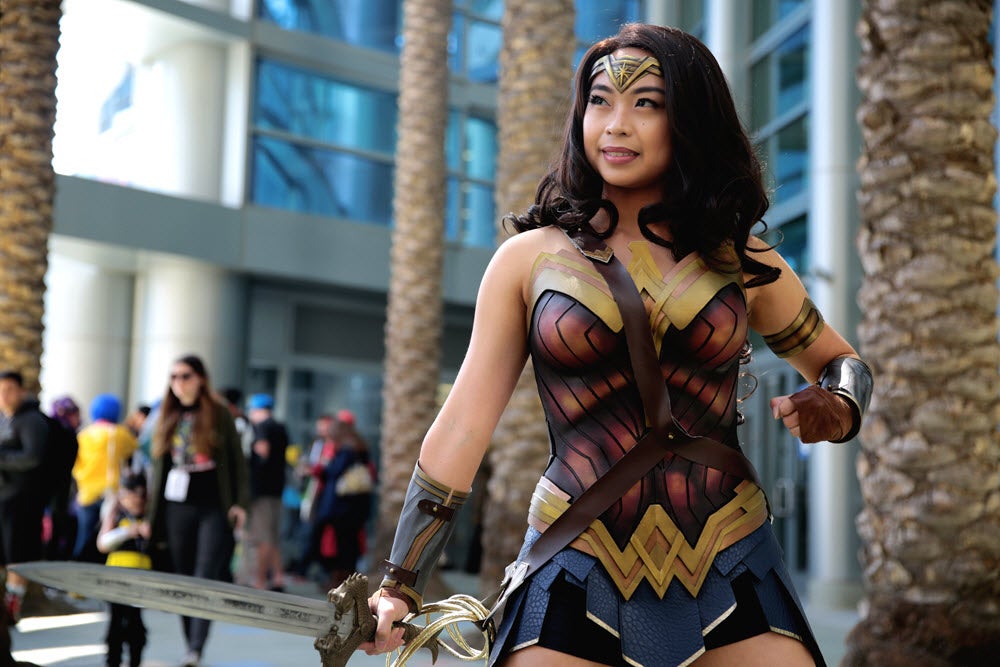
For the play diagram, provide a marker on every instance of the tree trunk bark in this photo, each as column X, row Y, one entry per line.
column 29, row 40
column 414, row 315
column 931, row 456
column 536, row 72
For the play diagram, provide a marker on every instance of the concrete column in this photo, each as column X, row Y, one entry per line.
column 186, row 307
column 833, row 541
column 721, row 33
column 88, row 322
column 664, row 12
column 180, row 97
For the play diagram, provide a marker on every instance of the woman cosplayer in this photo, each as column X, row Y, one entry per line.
column 681, row 567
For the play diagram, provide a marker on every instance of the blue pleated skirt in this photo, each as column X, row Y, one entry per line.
column 660, row 633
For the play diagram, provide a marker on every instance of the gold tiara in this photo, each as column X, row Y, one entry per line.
column 626, row 70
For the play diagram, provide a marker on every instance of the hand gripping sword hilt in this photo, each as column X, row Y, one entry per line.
column 352, row 597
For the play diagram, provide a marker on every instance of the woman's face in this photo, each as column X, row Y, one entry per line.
column 185, row 383
column 625, row 129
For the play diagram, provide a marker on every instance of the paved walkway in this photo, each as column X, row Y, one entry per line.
column 76, row 640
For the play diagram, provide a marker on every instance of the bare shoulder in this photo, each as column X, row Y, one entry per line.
column 524, row 248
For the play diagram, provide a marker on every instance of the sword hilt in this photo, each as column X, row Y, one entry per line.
column 352, row 596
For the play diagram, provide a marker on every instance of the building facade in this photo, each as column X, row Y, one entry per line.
column 225, row 187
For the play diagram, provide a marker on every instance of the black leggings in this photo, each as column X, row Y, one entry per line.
column 125, row 627
column 200, row 542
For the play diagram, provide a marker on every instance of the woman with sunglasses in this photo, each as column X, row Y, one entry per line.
column 198, row 488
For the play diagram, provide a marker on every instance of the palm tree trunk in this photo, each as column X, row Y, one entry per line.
column 414, row 317
column 29, row 40
column 931, row 454
column 536, row 71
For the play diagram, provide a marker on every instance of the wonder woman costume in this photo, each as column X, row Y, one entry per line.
column 686, row 560
column 668, row 549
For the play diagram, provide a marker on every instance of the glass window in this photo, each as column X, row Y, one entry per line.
column 790, row 160
column 482, row 52
column 475, row 40
column 471, row 154
column 794, row 245
column 453, row 208
column 597, row 19
column 768, row 12
column 480, row 152
column 780, row 79
column 303, row 103
column 692, row 15
column 375, row 24
column 491, row 9
column 471, row 218
column 479, row 214
column 321, row 181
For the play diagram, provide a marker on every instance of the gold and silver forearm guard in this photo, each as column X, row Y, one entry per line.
column 425, row 524
column 850, row 378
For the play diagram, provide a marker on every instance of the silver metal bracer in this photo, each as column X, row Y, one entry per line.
column 850, row 378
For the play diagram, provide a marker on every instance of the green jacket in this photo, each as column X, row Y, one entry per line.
column 230, row 464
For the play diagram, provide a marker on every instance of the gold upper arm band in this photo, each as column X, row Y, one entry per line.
column 800, row 334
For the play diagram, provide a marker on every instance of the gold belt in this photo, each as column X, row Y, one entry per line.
column 657, row 550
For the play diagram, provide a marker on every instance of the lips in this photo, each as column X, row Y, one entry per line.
column 618, row 152
column 618, row 155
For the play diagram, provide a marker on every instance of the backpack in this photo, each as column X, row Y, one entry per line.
column 58, row 467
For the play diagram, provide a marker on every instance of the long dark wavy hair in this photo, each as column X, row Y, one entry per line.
column 203, row 428
column 713, row 191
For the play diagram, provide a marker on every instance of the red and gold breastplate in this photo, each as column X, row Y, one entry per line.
column 663, row 527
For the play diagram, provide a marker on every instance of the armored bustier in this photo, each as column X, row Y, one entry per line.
column 681, row 510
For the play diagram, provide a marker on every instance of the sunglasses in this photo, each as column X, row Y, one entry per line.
column 183, row 377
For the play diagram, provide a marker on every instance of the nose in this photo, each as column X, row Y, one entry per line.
column 618, row 122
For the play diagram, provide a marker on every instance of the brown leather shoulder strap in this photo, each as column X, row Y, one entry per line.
column 646, row 367
column 652, row 390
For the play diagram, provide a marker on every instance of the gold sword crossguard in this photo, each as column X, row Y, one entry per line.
column 351, row 598
column 338, row 625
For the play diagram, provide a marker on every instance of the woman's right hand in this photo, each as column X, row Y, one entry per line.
column 387, row 609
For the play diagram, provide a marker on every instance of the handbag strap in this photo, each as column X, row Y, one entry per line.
column 664, row 434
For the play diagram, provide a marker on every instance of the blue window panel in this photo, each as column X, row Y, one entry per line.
column 793, row 70
column 453, row 208
column 453, row 142
column 308, row 105
column 482, row 54
column 794, row 245
column 767, row 13
column 597, row 19
column 470, row 214
column 780, row 80
column 480, row 216
column 480, row 149
column 321, row 182
column 491, row 9
column 791, row 160
column 374, row 24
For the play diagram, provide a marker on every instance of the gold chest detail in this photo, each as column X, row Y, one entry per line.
column 675, row 298
column 657, row 550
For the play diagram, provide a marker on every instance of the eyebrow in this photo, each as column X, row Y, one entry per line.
column 643, row 89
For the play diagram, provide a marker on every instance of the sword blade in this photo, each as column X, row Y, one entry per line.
column 193, row 596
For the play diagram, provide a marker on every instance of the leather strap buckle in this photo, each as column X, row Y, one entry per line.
column 436, row 510
column 400, row 574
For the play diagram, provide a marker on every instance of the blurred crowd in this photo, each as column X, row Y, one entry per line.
column 200, row 482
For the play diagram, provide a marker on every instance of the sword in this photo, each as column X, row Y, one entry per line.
column 339, row 624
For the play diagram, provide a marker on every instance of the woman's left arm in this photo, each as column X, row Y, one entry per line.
column 237, row 464
column 832, row 407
